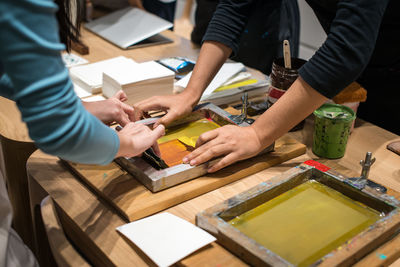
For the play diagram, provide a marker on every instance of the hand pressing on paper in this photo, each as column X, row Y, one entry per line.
column 112, row 109
column 176, row 106
column 234, row 143
column 135, row 138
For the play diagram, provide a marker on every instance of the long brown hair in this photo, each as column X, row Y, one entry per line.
column 69, row 17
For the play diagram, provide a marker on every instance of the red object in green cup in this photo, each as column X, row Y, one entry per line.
column 331, row 130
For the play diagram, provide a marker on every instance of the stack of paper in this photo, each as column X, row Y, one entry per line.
column 227, row 71
column 228, row 85
column 80, row 92
column 139, row 81
column 90, row 77
column 254, row 89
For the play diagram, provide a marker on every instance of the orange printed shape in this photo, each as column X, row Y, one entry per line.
column 172, row 152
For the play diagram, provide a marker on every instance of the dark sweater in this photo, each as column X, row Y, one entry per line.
column 353, row 27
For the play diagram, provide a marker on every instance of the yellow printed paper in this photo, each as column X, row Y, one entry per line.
column 236, row 85
column 188, row 133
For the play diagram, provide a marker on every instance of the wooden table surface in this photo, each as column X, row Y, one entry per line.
column 90, row 222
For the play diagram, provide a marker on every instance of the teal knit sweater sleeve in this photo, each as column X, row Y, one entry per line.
column 35, row 77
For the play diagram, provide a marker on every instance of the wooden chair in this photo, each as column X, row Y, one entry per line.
column 15, row 149
column 62, row 250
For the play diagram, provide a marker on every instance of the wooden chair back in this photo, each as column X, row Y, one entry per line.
column 63, row 251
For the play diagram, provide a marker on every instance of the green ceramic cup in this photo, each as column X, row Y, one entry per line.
column 331, row 130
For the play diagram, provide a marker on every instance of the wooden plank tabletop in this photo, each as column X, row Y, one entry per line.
column 135, row 201
column 90, row 223
column 93, row 222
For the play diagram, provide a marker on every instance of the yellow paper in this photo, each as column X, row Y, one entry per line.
column 305, row 223
column 188, row 133
column 235, row 85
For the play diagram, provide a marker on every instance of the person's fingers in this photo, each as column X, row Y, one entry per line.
column 158, row 131
column 156, row 149
column 154, row 103
column 207, row 136
column 167, row 118
column 203, row 143
column 145, row 106
column 225, row 161
column 142, row 127
column 123, row 96
column 127, row 108
column 197, row 152
column 123, row 119
column 117, row 112
column 157, row 123
column 129, row 126
column 129, row 111
column 137, row 111
column 210, row 153
column 137, row 114
column 120, row 95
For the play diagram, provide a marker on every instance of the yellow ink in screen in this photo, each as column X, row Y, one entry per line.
column 188, row 133
column 305, row 223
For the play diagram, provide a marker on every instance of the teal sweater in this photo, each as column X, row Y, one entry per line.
column 32, row 74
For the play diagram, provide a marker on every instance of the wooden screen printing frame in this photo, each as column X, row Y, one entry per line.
column 157, row 180
column 215, row 219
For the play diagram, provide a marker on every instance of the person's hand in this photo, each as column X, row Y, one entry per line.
column 135, row 138
column 136, row 3
column 175, row 105
column 112, row 109
column 233, row 142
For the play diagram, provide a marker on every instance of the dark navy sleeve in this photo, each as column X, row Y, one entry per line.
column 348, row 47
column 228, row 22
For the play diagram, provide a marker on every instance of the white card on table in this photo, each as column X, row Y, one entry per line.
column 166, row 238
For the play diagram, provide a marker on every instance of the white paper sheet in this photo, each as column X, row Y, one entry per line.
column 71, row 60
column 90, row 76
column 138, row 72
column 241, row 76
column 80, row 92
column 166, row 238
column 227, row 71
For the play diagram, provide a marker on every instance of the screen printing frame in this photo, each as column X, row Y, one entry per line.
column 157, row 180
column 215, row 219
